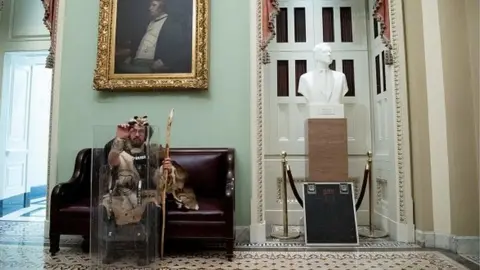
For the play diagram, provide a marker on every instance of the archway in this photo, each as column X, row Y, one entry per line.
column 399, row 219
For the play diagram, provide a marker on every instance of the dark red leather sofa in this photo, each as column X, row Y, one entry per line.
column 211, row 174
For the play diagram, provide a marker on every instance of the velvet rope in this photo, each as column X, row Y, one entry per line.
column 50, row 21
column 270, row 10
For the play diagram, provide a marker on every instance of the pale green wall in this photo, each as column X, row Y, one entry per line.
column 219, row 117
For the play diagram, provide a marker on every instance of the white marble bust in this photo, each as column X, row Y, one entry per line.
column 323, row 86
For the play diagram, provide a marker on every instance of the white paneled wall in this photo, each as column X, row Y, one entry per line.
column 21, row 26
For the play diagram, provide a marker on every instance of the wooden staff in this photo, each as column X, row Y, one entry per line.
column 166, row 178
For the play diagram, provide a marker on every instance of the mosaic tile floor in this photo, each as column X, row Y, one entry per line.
column 23, row 246
column 473, row 258
column 36, row 257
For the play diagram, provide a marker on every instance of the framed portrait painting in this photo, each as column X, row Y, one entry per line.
column 152, row 45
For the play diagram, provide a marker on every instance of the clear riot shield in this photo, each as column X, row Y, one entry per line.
column 124, row 204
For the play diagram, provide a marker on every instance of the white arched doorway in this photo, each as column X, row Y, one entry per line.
column 394, row 207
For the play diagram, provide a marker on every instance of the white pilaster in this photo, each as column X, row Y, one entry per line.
column 404, row 217
column 436, row 118
column 55, row 105
column 257, row 211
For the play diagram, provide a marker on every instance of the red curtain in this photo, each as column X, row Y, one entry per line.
column 270, row 10
column 382, row 13
column 50, row 21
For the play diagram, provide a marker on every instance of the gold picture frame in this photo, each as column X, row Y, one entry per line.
column 159, row 65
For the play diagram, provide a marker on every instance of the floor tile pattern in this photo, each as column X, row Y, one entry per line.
column 23, row 246
column 16, row 232
column 36, row 257
column 473, row 258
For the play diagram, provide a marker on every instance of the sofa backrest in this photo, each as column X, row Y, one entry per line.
column 207, row 168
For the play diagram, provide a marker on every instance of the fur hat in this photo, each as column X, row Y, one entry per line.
column 141, row 122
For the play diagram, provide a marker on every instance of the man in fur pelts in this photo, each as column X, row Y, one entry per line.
column 132, row 203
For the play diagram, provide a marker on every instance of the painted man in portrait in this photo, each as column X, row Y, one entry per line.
column 161, row 44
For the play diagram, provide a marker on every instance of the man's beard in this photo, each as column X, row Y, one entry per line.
column 136, row 142
column 134, row 146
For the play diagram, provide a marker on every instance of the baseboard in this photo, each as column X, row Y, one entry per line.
column 17, row 202
column 46, row 229
column 258, row 233
column 396, row 230
column 457, row 244
column 14, row 203
column 38, row 192
column 242, row 234
column 295, row 217
column 363, row 217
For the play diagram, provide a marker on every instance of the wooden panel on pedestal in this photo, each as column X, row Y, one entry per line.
column 327, row 151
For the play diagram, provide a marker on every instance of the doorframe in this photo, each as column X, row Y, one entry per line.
column 55, row 107
column 402, row 155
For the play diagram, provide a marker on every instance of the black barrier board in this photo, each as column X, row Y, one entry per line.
column 330, row 216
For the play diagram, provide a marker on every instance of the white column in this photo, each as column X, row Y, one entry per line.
column 436, row 118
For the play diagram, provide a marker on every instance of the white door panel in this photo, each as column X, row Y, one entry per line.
column 285, row 114
column 15, row 120
column 382, row 97
column 294, row 11
column 358, row 18
column 15, row 111
column 357, row 107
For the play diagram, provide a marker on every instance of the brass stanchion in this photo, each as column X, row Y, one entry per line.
column 372, row 232
column 285, row 235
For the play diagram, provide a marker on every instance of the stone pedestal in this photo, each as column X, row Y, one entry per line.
column 326, row 111
column 327, row 151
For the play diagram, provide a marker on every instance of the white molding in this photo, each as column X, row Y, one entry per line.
column 256, row 121
column 404, row 198
column 55, row 108
column 405, row 214
column 468, row 245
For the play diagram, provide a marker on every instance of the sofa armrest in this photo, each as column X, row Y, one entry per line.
column 61, row 195
column 67, row 192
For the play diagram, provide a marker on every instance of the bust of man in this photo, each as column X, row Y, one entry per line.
column 323, row 86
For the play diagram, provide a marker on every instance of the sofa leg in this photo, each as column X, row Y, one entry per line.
column 54, row 243
column 230, row 245
column 85, row 244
